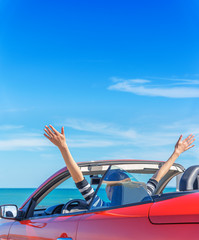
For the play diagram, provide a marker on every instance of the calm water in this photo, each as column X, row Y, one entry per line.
column 19, row 195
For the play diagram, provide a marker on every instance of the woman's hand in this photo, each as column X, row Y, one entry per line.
column 180, row 147
column 59, row 140
column 55, row 137
column 183, row 145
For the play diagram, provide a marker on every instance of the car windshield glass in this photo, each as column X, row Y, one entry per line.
column 119, row 188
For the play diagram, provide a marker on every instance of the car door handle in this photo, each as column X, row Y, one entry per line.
column 64, row 238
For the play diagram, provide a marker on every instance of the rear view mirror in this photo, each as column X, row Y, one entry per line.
column 8, row 211
column 95, row 180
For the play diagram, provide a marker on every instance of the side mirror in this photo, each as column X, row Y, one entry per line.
column 8, row 211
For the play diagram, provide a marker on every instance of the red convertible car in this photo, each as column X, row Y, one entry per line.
column 56, row 211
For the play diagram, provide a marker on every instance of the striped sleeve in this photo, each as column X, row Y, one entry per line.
column 151, row 186
column 86, row 190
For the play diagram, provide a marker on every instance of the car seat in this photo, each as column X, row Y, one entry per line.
column 190, row 179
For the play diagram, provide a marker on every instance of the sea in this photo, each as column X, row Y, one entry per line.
column 18, row 196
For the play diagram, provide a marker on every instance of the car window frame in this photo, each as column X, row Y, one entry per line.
column 62, row 176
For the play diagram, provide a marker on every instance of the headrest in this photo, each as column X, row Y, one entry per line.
column 190, row 179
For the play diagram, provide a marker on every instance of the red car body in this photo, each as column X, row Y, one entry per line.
column 167, row 216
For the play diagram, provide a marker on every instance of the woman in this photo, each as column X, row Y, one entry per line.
column 59, row 140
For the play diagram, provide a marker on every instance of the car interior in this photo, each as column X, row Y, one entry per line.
column 188, row 183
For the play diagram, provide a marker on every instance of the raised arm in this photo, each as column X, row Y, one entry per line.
column 59, row 140
column 180, row 147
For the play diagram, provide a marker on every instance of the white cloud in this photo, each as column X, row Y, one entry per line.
column 13, row 110
column 132, row 153
column 179, row 81
column 23, row 144
column 141, row 88
column 109, row 135
column 186, row 126
column 188, row 82
column 10, row 127
column 102, row 128
column 103, row 135
column 137, row 80
column 84, row 143
column 115, row 136
column 30, row 144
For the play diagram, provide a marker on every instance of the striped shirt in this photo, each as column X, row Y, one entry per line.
column 87, row 192
column 151, row 186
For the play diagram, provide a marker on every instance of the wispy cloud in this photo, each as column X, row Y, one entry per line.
column 187, row 126
column 107, row 133
column 10, row 127
column 145, row 87
column 176, row 80
column 102, row 128
column 92, row 142
column 14, row 110
column 31, row 144
column 90, row 134
column 187, row 82
column 136, row 80
column 24, row 144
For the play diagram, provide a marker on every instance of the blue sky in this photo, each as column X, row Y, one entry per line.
column 121, row 76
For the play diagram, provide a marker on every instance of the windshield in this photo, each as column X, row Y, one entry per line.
column 119, row 188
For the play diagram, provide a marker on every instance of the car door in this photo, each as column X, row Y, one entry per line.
column 5, row 226
column 119, row 209
column 44, row 219
column 47, row 228
column 124, row 223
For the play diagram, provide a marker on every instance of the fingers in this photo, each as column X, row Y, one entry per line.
column 189, row 147
column 191, row 142
column 57, row 138
column 51, row 131
column 54, row 130
column 48, row 131
column 188, row 141
column 188, row 138
column 185, row 144
column 62, row 130
column 47, row 136
column 180, row 138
